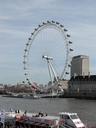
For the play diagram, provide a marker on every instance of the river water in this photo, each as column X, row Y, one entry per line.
column 86, row 109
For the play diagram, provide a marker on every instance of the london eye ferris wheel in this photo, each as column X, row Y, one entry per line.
column 51, row 51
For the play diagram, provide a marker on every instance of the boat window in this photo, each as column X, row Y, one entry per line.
column 67, row 117
column 74, row 116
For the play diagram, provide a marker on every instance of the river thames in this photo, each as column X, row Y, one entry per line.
column 86, row 109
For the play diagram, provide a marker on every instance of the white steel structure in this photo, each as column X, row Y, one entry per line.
column 59, row 27
column 51, row 69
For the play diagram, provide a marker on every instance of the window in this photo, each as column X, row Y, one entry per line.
column 74, row 116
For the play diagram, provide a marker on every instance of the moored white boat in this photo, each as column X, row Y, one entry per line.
column 40, row 120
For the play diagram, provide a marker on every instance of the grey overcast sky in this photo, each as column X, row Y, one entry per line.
column 18, row 18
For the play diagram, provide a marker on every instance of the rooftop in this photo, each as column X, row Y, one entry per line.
column 84, row 78
column 80, row 56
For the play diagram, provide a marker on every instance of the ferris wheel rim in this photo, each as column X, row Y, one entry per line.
column 44, row 25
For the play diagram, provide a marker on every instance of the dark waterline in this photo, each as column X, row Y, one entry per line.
column 86, row 109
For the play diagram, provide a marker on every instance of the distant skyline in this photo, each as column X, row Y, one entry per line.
column 19, row 18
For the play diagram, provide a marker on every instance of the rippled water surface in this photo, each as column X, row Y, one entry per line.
column 86, row 109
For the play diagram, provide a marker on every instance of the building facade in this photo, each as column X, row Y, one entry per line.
column 80, row 66
column 82, row 86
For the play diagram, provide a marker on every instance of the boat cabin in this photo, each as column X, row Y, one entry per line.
column 71, row 120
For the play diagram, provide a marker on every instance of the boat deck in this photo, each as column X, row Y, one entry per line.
column 28, row 120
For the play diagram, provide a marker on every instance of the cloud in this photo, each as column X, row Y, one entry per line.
column 4, row 18
column 19, row 18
